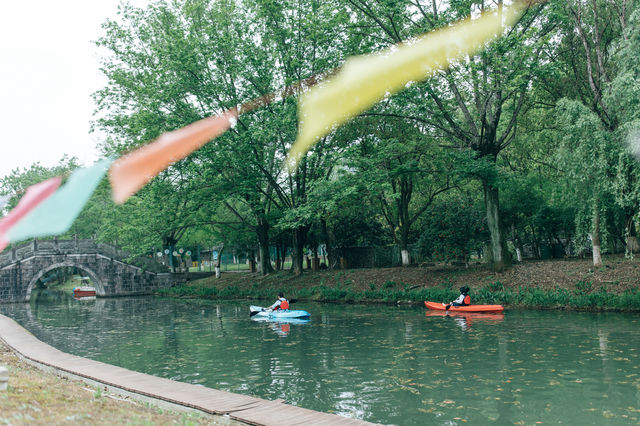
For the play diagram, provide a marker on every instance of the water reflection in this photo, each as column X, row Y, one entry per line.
column 392, row 365
column 465, row 319
column 281, row 326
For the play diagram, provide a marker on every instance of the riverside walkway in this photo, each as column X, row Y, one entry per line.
column 238, row 408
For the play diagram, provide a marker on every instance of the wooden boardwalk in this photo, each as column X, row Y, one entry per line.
column 242, row 408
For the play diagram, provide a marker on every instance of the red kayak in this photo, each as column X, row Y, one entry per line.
column 469, row 308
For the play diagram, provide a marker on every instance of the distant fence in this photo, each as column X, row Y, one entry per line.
column 353, row 257
column 378, row 257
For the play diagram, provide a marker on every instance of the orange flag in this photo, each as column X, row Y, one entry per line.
column 131, row 172
column 35, row 195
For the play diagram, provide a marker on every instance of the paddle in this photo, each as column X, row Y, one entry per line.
column 252, row 313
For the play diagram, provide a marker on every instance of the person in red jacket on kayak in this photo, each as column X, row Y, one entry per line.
column 281, row 303
column 463, row 300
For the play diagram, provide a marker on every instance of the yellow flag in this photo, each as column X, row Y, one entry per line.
column 364, row 80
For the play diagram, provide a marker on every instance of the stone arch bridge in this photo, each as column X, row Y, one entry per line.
column 21, row 267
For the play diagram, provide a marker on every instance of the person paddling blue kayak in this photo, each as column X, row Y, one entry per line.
column 280, row 309
column 281, row 303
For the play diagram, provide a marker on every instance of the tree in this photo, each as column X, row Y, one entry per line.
column 474, row 104
column 176, row 62
column 15, row 183
column 593, row 142
column 403, row 173
column 453, row 229
column 623, row 95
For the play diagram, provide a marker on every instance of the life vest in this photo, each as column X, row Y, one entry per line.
column 284, row 304
column 467, row 300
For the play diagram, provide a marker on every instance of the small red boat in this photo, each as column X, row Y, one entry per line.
column 469, row 308
column 84, row 291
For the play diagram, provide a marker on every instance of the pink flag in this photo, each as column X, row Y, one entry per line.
column 35, row 195
column 131, row 172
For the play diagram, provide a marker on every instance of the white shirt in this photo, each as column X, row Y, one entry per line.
column 278, row 302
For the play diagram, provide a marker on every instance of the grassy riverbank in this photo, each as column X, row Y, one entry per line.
column 37, row 398
column 559, row 284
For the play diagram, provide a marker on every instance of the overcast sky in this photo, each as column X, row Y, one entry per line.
column 48, row 70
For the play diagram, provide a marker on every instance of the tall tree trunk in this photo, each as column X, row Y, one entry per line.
column 404, row 252
column 283, row 255
column 501, row 258
column 170, row 243
column 262, row 231
column 517, row 242
column 404, row 246
column 404, row 223
column 631, row 234
column 217, row 267
column 278, row 258
column 595, row 237
column 252, row 260
column 299, row 236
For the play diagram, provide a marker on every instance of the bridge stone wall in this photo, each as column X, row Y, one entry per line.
column 21, row 267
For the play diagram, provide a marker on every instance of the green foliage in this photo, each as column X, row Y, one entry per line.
column 583, row 287
column 176, row 62
column 584, row 297
column 15, row 183
column 496, row 286
column 452, row 229
column 389, row 284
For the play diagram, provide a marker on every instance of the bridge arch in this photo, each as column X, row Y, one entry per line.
column 108, row 267
column 95, row 278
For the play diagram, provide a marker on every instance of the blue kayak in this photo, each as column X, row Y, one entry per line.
column 258, row 311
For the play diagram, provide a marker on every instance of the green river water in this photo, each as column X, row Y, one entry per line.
column 384, row 364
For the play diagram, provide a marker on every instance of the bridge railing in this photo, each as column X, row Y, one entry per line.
column 75, row 246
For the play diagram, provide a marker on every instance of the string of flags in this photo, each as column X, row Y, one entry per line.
column 47, row 209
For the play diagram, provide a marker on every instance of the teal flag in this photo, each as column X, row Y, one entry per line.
column 56, row 214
